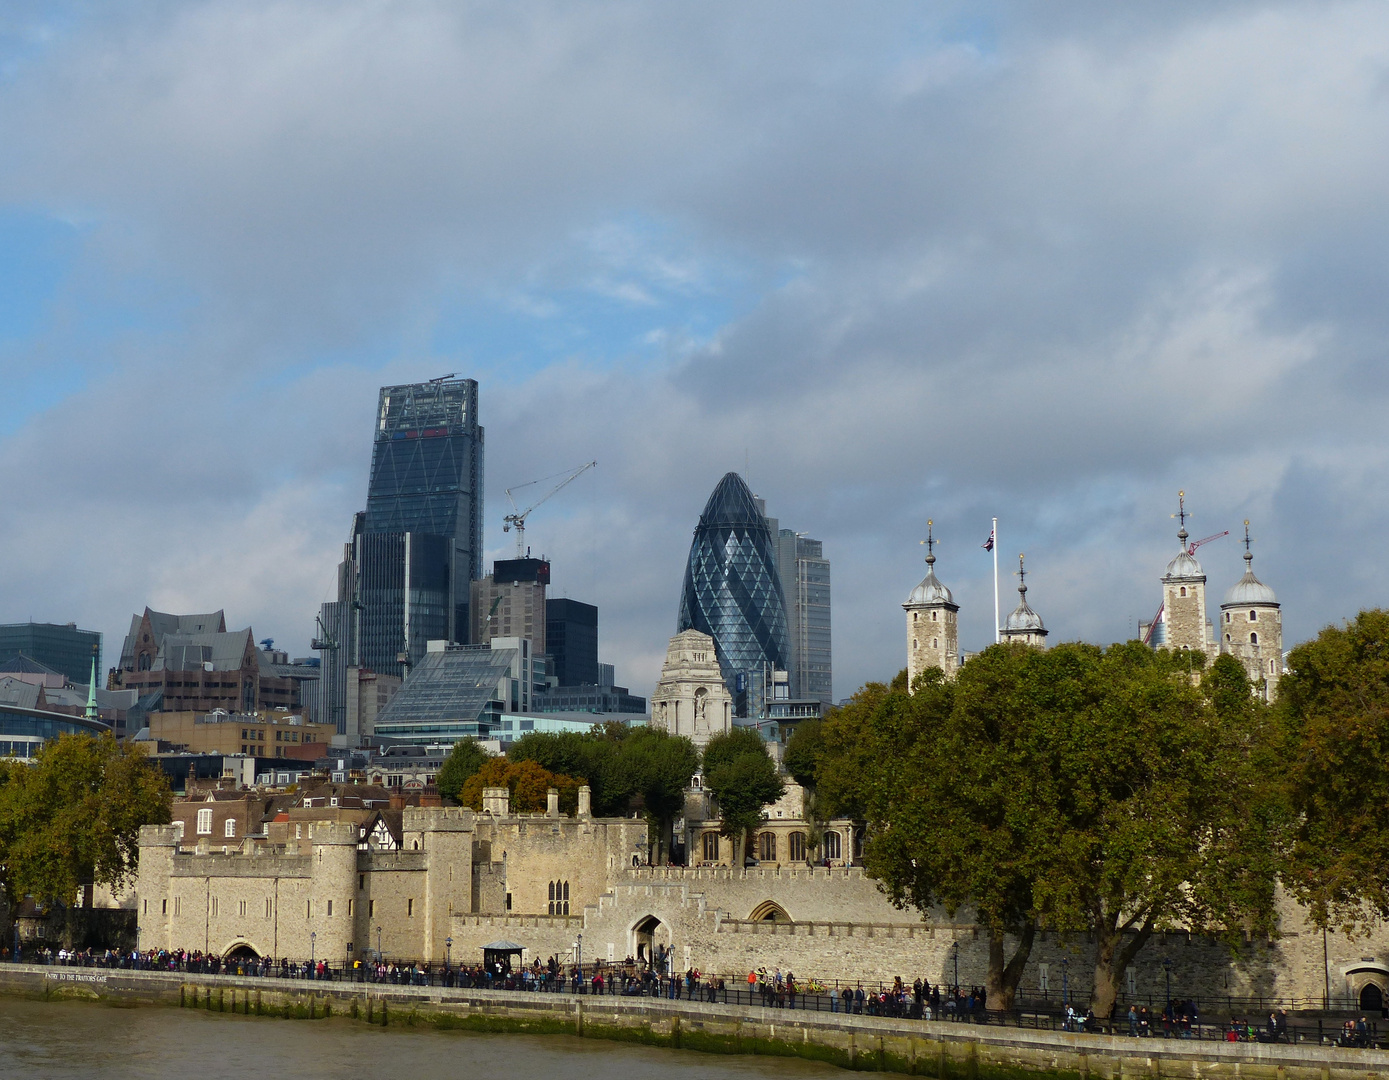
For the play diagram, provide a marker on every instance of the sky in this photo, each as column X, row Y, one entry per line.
column 1050, row 263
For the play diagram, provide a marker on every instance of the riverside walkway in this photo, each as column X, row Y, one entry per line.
column 944, row 1049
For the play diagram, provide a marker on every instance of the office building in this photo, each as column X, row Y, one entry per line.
column 733, row 593
column 510, row 602
column 61, row 647
column 571, row 639
column 459, row 690
column 805, row 582
column 413, row 554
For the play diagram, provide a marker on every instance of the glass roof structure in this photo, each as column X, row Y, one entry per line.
column 450, row 693
column 732, row 589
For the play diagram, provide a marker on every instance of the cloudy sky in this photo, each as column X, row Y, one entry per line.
column 1046, row 262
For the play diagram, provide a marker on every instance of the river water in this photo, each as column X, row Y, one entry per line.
column 43, row 1040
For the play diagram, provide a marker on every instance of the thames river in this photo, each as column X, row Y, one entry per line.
column 76, row 1039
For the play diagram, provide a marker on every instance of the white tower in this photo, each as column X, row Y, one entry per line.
column 1251, row 627
column 1024, row 624
column 932, row 631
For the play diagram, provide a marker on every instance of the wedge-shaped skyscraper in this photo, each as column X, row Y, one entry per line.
column 733, row 593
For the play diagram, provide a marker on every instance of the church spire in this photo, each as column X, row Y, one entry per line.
column 91, row 694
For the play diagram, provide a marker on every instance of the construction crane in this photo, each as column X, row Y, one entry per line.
column 517, row 518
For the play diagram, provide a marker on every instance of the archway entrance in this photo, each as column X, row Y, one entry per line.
column 651, row 942
column 769, row 911
column 1372, row 998
column 242, row 951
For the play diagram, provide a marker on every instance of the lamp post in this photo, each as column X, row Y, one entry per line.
column 378, row 943
column 1065, row 982
column 579, row 954
column 313, row 951
column 1167, row 973
column 448, row 953
column 955, row 950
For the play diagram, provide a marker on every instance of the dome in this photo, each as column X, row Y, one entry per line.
column 930, row 591
column 1248, row 590
column 1024, row 619
column 1184, row 566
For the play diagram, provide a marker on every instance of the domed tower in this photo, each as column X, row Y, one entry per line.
column 1251, row 627
column 1184, row 595
column 932, row 630
column 1024, row 624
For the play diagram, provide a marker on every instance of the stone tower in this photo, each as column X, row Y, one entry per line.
column 1251, row 627
column 1024, row 624
column 932, row 630
column 691, row 698
column 1184, row 595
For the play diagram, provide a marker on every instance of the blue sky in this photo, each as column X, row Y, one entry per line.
column 1045, row 263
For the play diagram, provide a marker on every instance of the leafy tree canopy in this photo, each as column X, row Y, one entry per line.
column 743, row 778
column 803, row 752
column 1096, row 790
column 1333, row 704
column 465, row 759
column 72, row 817
column 529, row 784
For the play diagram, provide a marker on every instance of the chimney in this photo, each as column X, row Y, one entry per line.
column 585, row 801
column 496, row 801
column 552, row 803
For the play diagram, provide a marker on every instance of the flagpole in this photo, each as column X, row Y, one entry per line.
column 996, row 628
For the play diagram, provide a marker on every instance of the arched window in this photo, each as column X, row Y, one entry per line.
column 1183, row 590
column 935, row 643
column 230, row 829
column 1227, row 616
column 766, row 847
column 830, row 845
column 797, row 846
column 711, row 847
column 205, row 822
column 1228, row 638
column 559, row 898
column 1253, row 639
column 1253, row 616
column 1271, row 669
column 913, row 643
column 915, row 615
column 933, row 616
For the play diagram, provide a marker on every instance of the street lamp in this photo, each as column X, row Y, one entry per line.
column 1065, row 983
column 1167, row 973
column 579, row 954
column 378, row 943
column 313, row 951
column 448, row 952
column 955, row 949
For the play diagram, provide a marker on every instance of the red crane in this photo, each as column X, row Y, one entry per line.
column 1191, row 548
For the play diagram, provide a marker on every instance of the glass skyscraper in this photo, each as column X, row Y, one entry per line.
column 733, row 591
column 408, row 568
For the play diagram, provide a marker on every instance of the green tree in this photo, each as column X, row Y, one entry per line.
column 739, row 773
column 1096, row 791
column 803, row 752
column 465, row 759
column 72, row 817
column 528, row 784
column 1333, row 705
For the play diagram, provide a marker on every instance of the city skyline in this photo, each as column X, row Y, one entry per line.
column 1049, row 265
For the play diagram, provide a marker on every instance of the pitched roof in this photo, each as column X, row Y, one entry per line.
column 19, row 664
column 453, row 685
column 188, row 652
column 20, row 695
column 162, row 624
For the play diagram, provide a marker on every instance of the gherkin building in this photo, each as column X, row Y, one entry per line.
column 732, row 590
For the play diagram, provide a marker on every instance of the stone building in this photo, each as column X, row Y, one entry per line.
column 932, row 628
column 691, row 699
column 1251, row 627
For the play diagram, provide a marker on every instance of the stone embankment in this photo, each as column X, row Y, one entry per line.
column 948, row 1051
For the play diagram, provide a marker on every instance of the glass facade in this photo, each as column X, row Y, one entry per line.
column 403, row 594
column 62, row 647
column 571, row 639
column 451, row 694
column 426, row 477
column 733, row 591
column 23, row 731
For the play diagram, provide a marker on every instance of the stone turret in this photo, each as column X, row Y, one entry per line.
column 1251, row 627
column 933, row 638
column 1184, row 596
column 1024, row 624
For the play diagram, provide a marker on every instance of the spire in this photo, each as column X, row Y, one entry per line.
column 1022, row 581
column 1248, row 555
column 930, row 545
column 1182, row 534
column 91, row 694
